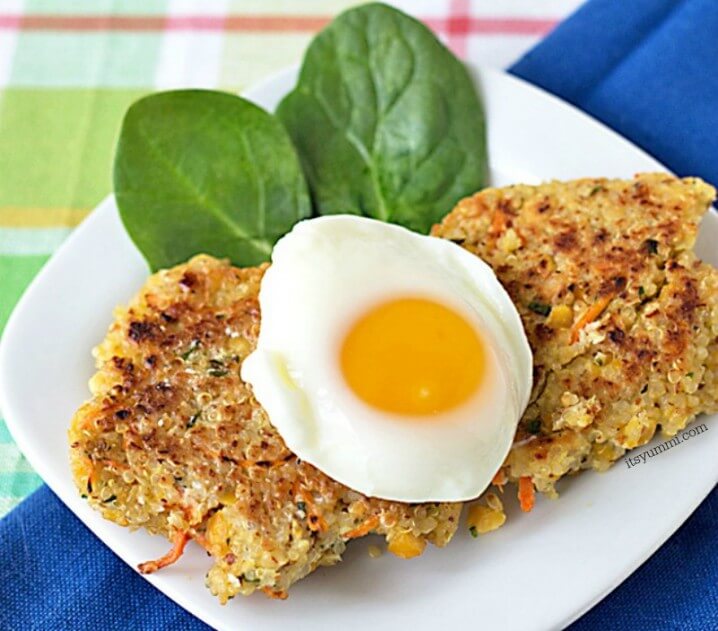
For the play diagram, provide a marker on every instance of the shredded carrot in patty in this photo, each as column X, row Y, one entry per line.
column 202, row 540
column 179, row 541
column 498, row 224
column 92, row 479
column 276, row 595
column 595, row 310
column 315, row 521
column 527, row 496
column 499, row 479
column 363, row 528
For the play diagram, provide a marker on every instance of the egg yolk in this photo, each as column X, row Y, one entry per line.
column 413, row 356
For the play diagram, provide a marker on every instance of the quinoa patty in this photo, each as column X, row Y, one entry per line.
column 621, row 315
column 173, row 441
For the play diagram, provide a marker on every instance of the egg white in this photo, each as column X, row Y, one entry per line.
column 326, row 273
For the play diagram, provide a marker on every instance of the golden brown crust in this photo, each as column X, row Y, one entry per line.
column 173, row 441
column 621, row 316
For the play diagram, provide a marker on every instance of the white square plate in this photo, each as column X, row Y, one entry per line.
column 561, row 559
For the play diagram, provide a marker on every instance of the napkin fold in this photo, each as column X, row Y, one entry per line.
column 647, row 68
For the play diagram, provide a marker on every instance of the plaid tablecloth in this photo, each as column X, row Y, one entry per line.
column 70, row 68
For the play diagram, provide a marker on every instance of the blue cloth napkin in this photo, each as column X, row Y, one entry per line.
column 647, row 68
column 56, row 575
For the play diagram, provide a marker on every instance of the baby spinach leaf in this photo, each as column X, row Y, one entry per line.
column 386, row 120
column 198, row 171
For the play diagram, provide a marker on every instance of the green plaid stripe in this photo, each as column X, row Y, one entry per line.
column 56, row 59
column 17, row 479
column 16, row 272
column 96, row 7
column 56, row 145
column 55, row 155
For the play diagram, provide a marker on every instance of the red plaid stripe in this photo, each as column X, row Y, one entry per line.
column 457, row 26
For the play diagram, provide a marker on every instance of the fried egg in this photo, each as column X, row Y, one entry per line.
column 395, row 363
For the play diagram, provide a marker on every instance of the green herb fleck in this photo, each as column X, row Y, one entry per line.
column 540, row 307
column 193, row 419
column 534, row 426
column 596, row 189
column 194, row 345
column 112, row 498
column 690, row 375
column 474, row 532
column 641, row 292
column 217, row 368
column 302, row 506
column 83, row 496
column 652, row 246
